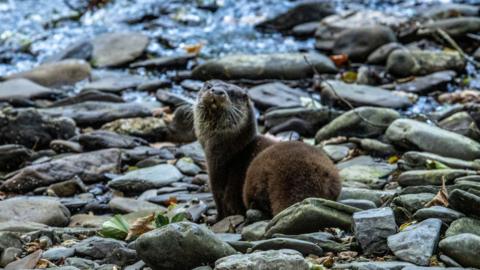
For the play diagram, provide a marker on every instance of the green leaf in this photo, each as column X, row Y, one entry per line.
column 435, row 165
column 179, row 217
column 116, row 227
column 161, row 221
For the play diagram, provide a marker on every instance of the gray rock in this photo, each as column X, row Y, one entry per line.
column 148, row 128
column 410, row 203
column 419, row 160
column 89, row 167
column 305, row 29
column 30, row 128
column 364, row 170
column 9, row 255
column 58, row 253
column 34, row 209
column 310, row 215
column 9, row 240
column 166, row 62
column 101, row 139
column 372, row 227
column 446, row 215
column 254, row 231
column 97, row 247
column 115, row 49
column 463, row 248
column 27, row 262
column 287, row 66
column 184, row 246
column 362, row 204
column 129, row 205
column 78, row 50
column 424, row 84
column 267, row 260
column 416, row 243
column 193, row 150
column 80, row 263
column 278, row 243
column 24, row 89
column 322, row 239
column 13, row 156
column 21, row 226
column 390, row 265
column 403, row 63
column 463, row 225
column 431, row 177
column 379, row 56
column 187, row 166
column 407, row 133
column 448, row 10
column 350, row 124
column 461, row 123
column 376, row 196
column 359, row 42
column 65, row 72
column 96, row 113
column 91, row 95
column 362, row 95
column 455, row 27
column 316, row 117
column 336, row 152
column 465, row 202
column 147, row 178
column 114, row 84
column 275, row 94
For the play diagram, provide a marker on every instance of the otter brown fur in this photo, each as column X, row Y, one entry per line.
column 248, row 170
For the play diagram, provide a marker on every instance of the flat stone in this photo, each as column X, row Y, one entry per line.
column 373, row 227
column 254, row 231
column 424, row 84
column 267, row 260
column 278, row 243
column 461, row 123
column 286, row 66
column 89, row 167
column 407, row 133
column 363, row 95
column 464, row 225
column 184, row 246
column 446, row 215
column 97, row 247
column 412, row 160
column 336, row 152
column 13, row 156
column 115, row 49
column 9, row 255
column 27, row 262
column 58, row 253
column 166, row 62
column 275, row 94
column 147, row 178
column 455, row 27
column 463, row 248
column 391, row 265
column 24, row 89
column 114, row 84
column 431, row 177
column 465, row 202
column 34, row 209
column 129, row 205
column 379, row 56
column 187, row 166
column 376, row 196
column 65, row 72
column 101, row 139
column 77, row 50
column 416, row 243
column 148, row 128
column 404, row 63
column 362, row 204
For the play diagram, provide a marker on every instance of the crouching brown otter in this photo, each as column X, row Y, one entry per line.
column 248, row 170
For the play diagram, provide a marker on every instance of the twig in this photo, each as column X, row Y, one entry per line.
column 454, row 44
column 342, row 99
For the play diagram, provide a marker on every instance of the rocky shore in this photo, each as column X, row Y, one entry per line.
column 100, row 168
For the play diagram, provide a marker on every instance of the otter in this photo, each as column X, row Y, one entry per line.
column 249, row 170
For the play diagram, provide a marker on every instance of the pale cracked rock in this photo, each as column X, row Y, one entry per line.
column 285, row 259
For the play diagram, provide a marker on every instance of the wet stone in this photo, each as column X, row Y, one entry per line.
column 362, row 204
column 464, row 225
column 275, row 95
column 129, row 205
column 463, row 248
column 58, row 253
column 446, row 215
column 465, row 202
column 187, row 166
column 373, row 227
column 268, row 260
column 23, row 88
column 34, row 209
column 114, row 49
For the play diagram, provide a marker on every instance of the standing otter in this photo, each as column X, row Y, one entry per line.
column 249, row 170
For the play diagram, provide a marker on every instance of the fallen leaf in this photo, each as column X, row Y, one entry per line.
column 347, row 255
column 441, row 198
column 339, row 59
column 463, row 97
column 406, row 225
column 349, row 76
column 140, row 226
column 32, row 247
column 435, row 165
column 393, row 159
column 193, row 48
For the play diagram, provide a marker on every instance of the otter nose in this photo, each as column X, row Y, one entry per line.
column 218, row 92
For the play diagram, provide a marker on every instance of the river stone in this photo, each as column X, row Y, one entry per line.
column 97, row 113
column 418, row 160
column 351, row 125
column 9, row 255
column 187, row 166
column 147, row 178
column 65, row 72
column 446, row 215
column 431, row 177
column 336, row 152
column 463, row 248
column 27, row 262
column 416, row 243
column 285, row 259
column 372, row 227
column 286, row 66
column 115, row 49
column 34, row 209
column 193, row 150
column 275, row 94
column 389, row 265
column 89, row 167
column 184, row 245
column 97, row 247
column 461, row 123
column 464, row 225
column 455, row 27
column 129, row 205
column 30, row 128
column 148, row 128
column 424, row 84
column 362, row 95
column 359, row 42
column 165, row 62
column 279, row 243
column 365, row 170
column 58, row 253
column 77, row 50
column 379, row 56
column 362, row 204
column 80, row 263
column 411, row 203
column 310, row 215
column 448, row 10
column 305, row 30
column 13, row 156
column 114, row 84
column 407, row 133
column 101, row 139
column 404, row 63
column 24, row 89
column 376, row 196
column 305, row 11
column 465, row 202
column 254, row 231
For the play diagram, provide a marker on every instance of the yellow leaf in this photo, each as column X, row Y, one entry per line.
column 393, row 159
column 140, row 226
column 349, row 76
column 406, row 225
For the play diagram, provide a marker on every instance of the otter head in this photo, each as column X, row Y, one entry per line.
column 223, row 109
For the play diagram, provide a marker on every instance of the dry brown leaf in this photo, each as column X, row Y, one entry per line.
column 32, row 247
column 464, row 96
column 140, row 226
column 193, row 48
column 347, row 255
column 42, row 264
column 339, row 59
column 441, row 198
